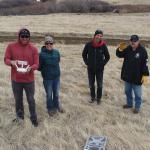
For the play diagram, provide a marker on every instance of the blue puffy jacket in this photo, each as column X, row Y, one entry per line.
column 49, row 63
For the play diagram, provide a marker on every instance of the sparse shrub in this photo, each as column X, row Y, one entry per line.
column 15, row 3
column 83, row 6
column 31, row 7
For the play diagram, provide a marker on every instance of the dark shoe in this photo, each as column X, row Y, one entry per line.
column 127, row 106
column 136, row 111
column 52, row 112
column 21, row 117
column 18, row 119
column 92, row 100
column 61, row 110
column 34, row 122
column 98, row 101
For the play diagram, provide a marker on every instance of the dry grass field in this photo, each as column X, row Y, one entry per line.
column 69, row 131
column 112, row 24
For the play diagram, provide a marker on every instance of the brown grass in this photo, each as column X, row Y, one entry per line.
column 69, row 131
column 111, row 24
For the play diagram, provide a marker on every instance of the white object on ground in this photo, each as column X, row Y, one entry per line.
column 96, row 143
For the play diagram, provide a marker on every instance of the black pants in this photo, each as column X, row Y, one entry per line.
column 18, row 95
column 99, row 78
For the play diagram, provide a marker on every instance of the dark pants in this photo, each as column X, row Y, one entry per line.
column 18, row 94
column 52, row 88
column 99, row 78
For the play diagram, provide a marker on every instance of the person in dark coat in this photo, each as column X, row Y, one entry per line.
column 95, row 55
column 134, row 71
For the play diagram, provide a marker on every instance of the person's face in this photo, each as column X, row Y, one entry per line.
column 49, row 45
column 98, row 37
column 24, row 39
column 134, row 44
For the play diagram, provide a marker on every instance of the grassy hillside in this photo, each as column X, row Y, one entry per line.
column 112, row 24
column 31, row 7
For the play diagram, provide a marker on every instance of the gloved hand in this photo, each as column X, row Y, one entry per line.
column 145, row 79
column 122, row 46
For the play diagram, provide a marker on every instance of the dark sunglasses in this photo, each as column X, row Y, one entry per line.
column 24, row 36
column 48, row 43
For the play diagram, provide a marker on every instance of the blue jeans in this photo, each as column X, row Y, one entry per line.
column 137, row 89
column 52, row 88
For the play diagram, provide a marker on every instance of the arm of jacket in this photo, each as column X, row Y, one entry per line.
column 7, row 57
column 121, row 54
column 145, row 70
column 85, row 54
column 35, row 64
column 58, row 56
column 40, row 62
column 106, row 54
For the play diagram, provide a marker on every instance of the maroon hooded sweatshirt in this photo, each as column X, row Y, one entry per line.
column 23, row 53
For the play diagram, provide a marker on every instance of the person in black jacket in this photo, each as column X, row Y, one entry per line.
column 134, row 70
column 95, row 56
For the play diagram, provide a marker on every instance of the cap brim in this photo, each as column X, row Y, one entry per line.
column 133, row 40
column 24, row 34
column 49, row 41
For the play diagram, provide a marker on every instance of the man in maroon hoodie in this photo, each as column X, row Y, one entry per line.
column 95, row 56
column 23, row 59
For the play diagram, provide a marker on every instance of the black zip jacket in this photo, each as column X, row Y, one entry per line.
column 95, row 58
column 135, row 64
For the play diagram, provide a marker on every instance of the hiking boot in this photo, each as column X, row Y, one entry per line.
column 18, row 119
column 52, row 112
column 34, row 122
column 127, row 106
column 136, row 111
column 21, row 117
column 92, row 100
column 98, row 101
column 61, row 110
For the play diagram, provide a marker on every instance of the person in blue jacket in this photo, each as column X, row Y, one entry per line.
column 49, row 59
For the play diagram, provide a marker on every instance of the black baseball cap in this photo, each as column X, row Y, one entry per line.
column 24, row 32
column 98, row 31
column 134, row 38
